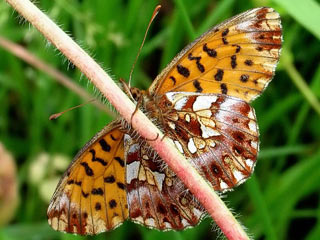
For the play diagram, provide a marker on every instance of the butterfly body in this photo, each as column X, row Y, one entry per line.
column 200, row 102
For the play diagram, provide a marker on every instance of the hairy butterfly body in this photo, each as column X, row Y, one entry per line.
column 201, row 102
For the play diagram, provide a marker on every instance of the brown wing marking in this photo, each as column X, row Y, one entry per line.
column 156, row 197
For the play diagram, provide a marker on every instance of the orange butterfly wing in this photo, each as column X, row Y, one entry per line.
column 238, row 58
column 91, row 196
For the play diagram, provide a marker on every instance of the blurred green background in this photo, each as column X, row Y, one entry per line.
column 281, row 199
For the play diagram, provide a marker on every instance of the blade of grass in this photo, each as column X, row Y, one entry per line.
column 186, row 19
column 299, row 81
column 284, row 151
column 303, row 113
column 306, row 12
column 261, row 207
column 217, row 13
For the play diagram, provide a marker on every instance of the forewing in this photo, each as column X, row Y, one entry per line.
column 237, row 58
column 217, row 133
column 156, row 196
column 90, row 197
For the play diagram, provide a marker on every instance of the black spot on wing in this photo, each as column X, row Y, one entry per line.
column 224, row 40
column 87, row 169
column 121, row 185
column 112, row 203
column 197, row 85
column 104, row 145
column 78, row 183
column 244, row 78
column 98, row 206
column 97, row 191
column 84, row 194
column 197, row 59
column 120, row 161
column 95, row 159
column 238, row 48
column 259, row 48
column 173, row 80
column 109, row 179
column 183, row 70
column 69, row 182
column 210, row 51
column 233, row 61
column 112, row 137
column 248, row 62
column 225, row 32
column 224, row 88
column 219, row 75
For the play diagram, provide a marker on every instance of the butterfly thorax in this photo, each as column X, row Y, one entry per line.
column 146, row 103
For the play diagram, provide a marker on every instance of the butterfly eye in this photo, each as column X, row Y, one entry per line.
column 168, row 104
column 134, row 95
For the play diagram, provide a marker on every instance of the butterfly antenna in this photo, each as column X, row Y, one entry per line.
column 155, row 12
column 56, row 115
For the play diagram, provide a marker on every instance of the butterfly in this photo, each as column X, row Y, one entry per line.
column 201, row 103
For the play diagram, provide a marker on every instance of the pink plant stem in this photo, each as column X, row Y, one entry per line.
column 197, row 185
column 22, row 53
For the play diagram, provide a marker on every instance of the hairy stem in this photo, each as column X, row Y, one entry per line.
column 31, row 59
column 197, row 185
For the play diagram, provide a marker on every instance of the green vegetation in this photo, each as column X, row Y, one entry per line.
column 280, row 201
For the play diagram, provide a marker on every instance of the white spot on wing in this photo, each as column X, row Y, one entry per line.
column 249, row 162
column 251, row 115
column 172, row 125
column 204, row 102
column 254, row 144
column 168, row 225
column 159, row 177
column 197, row 212
column 223, row 185
column 178, row 99
column 187, row 117
column 238, row 175
column 64, row 200
column 208, row 132
column 132, row 171
column 244, row 25
column 138, row 219
column 192, row 148
column 252, row 126
column 178, row 145
column 185, row 222
column 150, row 222
column 180, row 103
column 171, row 96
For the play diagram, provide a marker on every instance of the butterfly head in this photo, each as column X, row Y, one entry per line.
column 132, row 92
column 136, row 94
